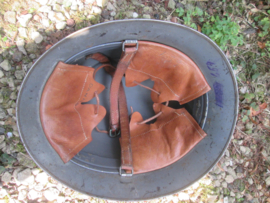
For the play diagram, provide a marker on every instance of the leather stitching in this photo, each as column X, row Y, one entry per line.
column 80, row 117
column 192, row 124
column 178, row 115
column 157, row 78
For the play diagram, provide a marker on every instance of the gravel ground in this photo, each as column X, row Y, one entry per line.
column 28, row 28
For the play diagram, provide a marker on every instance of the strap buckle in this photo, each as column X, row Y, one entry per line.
column 115, row 133
column 124, row 174
column 130, row 42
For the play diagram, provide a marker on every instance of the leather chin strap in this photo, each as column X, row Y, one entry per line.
column 118, row 106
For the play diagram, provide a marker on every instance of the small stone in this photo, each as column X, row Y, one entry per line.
column 2, row 138
column 211, row 198
column 45, row 22
column 96, row 10
column 129, row 14
column 1, row 74
column 65, row 12
column 2, row 131
column 226, row 200
column 59, row 17
column 24, row 177
column 60, row 25
column 9, row 135
column 6, row 177
column 20, row 45
column 183, row 196
column 70, row 23
column 67, row 3
column 110, row 7
column 24, row 19
column 5, row 65
column 171, row 4
column 113, row 13
column 45, row 9
column 250, row 31
column 32, row 195
column 22, row 195
column 23, row 32
column 42, row 2
column 89, row 1
column 35, row 171
column 17, row 56
column 2, row 145
column 37, row 37
column 10, row 16
column 224, row 184
column 3, row 193
column 31, row 47
column 135, row 15
column 51, row 194
column 229, row 179
column 250, row 181
column 267, row 181
column 180, row 5
column 25, row 160
column 74, row 6
column 105, row 14
column 101, row 3
column 42, row 178
column 39, row 187
column 146, row 16
column 232, row 194
column 57, row 7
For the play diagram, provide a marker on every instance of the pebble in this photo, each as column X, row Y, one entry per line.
column 5, row 65
column 37, row 37
column 100, row 3
column 135, row 15
column 146, row 16
column 267, row 181
column 67, row 3
column 57, row 7
column 129, row 14
column 45, row 9
column 35, row 171
column 51, row 194
column 10, row 16
column 42, row 2
column 25, row 177
column 24, row 19
column 105, row 14
column 6, row 177
column 229, row 179
column 60, row 25
column 250, row 181
column 65, row 12
column 96, row 10
column 171, row 4
column 74, row 6
column 23, row 32
column 113, row 13
column 3, row 193
column 1, row 74
column 17, row 56
column 25, row 160
column 45, row 22
column 110, row 7
column 9, row 134
column 183, row 196
column 32, row 195
column 42, row 178
column 22, row 195
column 2, row 137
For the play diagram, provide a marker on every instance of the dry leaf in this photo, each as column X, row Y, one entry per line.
column 261, row 45
column 199, row 28
column 263, row 106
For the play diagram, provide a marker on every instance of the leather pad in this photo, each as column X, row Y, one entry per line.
column 175, row 75
column 67, row 122
column 164, row 142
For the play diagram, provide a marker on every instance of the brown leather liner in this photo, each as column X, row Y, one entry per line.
column 66, row 122
column 175, row 75
column 164, row 142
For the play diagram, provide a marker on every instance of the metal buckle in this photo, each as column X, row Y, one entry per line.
column 130, row 42
column 124, row 174
column 115, row 133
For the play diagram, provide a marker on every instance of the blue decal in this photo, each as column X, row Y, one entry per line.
column 218, row 88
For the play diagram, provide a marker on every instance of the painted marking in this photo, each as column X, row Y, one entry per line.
column 210, row 66
column 218, row 88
